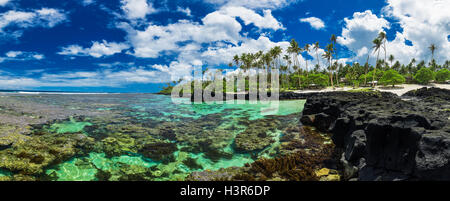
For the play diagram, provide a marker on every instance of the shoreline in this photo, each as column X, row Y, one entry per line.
column 378, row 136
column 399, row 90
column 361, row 126
column 383, row 137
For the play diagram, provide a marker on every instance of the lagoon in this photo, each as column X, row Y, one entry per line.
column 87, row 137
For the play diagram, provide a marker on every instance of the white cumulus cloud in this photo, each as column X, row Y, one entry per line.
column 97, row 50
column 267, row 21
column 4, row 2
column 359, row 32
column 44, row 17
column 315, row 22
column 137, row 9
column 254, row 4
column 186, row 11
column 21, row 56
column 13, row 54
column 424, row 23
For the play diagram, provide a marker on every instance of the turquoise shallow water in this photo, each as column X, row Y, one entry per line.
column 204, row 134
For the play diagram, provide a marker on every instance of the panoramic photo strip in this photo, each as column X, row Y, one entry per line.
column 293, row 91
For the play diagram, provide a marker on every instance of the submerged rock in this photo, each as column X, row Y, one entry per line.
column 257, row 135
column 30, row 157
column 159, row 151
column 303, row 152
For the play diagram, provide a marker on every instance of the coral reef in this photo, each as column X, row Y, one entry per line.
column 31, row 156
column 117, row 137
column 223, row 174
column 159, row 151
column 257, row 135
column 304, row 151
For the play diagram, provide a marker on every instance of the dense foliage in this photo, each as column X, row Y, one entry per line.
column 424, row 76
column 392, row 77
column 295, row 75
column 443, row 75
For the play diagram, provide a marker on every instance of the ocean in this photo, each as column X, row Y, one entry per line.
column 88, row 137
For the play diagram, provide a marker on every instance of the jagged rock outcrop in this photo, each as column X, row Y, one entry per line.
column 383, row 137
column 246, row 96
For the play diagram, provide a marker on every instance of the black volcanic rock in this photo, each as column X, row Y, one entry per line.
column 429, row 93
column 385, row 137
column 246, row 96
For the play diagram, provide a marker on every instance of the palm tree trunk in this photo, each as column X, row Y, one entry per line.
column 337, row 76
column 375, row 70
column 367, row 66
column 318, row 61
column 331, row 75
column 385, row 55
column 306, row 68
column 299, row 80
column 287, row 76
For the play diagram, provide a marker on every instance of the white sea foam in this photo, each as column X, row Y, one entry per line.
column 57, row 93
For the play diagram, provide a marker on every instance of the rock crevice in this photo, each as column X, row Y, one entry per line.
column 382, row 136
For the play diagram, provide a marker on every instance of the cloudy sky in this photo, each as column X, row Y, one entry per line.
column 137, row 45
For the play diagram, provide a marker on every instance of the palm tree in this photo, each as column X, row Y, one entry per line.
column 316, row 48
column 295, row 67
column 333, row 39
column 376, row 48
column 316, row 68
column 413, row 62
column 247, row 60
column 306, row 49
column 236, row 60
column 366, row 67
column 276, row 52
column 283, row 69
column 243, row 60
column 287, row 58
column 294, row 49
column 267, row 58
column 333, row 50
column 432, row 49
column 391, row 59
column 336, row 68
column 328, row 56
column 258, row 60
column 382, row 37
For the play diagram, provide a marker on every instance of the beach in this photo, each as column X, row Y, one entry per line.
column 399, row 90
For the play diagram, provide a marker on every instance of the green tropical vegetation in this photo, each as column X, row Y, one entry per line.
column 297, row 75
column 392, row 77
column 424, row 76
column 443, row 75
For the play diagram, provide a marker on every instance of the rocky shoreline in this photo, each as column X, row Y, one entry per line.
column 377, row 136
column 366, row 136
column 384, row 137
column 282, row 96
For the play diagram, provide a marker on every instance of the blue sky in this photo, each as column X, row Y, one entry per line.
column 138, row 45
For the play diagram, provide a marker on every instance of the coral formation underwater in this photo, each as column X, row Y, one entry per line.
column 146, row 137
